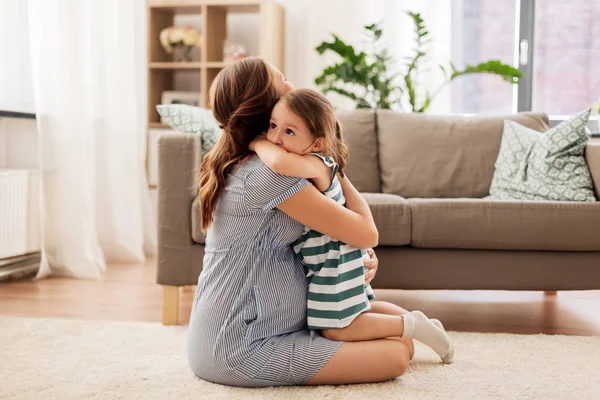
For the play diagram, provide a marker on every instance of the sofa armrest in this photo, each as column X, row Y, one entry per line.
column 178, row 165
column 592, row 156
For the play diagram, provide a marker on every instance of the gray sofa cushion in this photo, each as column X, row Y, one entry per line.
column 392, row 218
column 361, row 138
column 440, row 156
column 505, row 224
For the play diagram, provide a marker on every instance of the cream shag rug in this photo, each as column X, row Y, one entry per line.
column 68, row 359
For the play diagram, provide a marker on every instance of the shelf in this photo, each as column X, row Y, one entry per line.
column 177, row 7
column 217, row 64
column 237, row 7
column 175, row 65
column 158, row 125
column 195, row 6
column 189, row 65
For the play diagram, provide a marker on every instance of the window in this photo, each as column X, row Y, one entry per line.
column 555, row 43
column 566, row 64
column 482, row 30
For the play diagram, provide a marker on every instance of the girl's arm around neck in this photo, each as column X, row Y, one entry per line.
column 290, row 164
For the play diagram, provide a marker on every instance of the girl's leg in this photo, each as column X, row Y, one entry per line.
column 372, row 326
column 368, row 326
column 362, row 362
column 383, row 307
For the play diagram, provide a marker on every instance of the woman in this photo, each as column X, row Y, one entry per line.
column 248, row 321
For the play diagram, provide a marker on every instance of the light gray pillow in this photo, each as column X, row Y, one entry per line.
column 544, row 166
column 189, row 119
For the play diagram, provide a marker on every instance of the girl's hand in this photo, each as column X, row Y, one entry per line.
column 262, row 136
column 372, row 265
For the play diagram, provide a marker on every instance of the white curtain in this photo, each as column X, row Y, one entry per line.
column 88, row 65
column 310, row 22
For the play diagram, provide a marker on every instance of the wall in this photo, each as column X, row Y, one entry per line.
column 16, row 89
column 18, row 143
column 310, row 22
column 18, row 137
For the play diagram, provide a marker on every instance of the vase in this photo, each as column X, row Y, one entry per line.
column 182, row 53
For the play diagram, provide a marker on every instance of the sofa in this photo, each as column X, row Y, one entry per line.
column 426, row 179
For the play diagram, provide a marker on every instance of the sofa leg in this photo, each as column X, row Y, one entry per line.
column 170, row 305
column 550, row 292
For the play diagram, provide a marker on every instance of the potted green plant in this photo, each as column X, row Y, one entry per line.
column 367, row 79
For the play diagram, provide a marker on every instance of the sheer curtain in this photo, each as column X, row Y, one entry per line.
column 310, row 22
column 88, row 64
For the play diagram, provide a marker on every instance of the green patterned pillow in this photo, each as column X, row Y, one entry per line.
column 189, row 119
column 544, row 166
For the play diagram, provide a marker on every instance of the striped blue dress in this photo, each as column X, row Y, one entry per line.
column 248, row 321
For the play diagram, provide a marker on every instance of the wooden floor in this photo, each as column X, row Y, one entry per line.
column 128, row 292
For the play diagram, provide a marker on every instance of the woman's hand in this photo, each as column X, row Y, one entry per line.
column 262, row 136
column 372, row 264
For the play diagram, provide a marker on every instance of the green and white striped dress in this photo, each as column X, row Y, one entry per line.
column 336, row 273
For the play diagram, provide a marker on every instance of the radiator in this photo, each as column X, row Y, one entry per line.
column 19, row 212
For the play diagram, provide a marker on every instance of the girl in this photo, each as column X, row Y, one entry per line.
column 304, row 140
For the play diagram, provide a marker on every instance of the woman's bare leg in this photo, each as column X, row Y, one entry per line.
column 362, row 362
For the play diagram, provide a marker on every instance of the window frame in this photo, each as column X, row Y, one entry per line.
column 525, row 59
column 524, row 53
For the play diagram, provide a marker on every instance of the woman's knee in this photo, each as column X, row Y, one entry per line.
column 408, row 342
column 411, row 347
column 401, row 360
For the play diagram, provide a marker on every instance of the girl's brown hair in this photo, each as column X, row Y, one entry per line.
column 317, row 113
column 241, row 97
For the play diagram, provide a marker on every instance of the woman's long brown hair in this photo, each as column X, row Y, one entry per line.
column 242, row 97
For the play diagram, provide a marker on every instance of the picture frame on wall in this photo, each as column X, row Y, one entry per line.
column 180, row 97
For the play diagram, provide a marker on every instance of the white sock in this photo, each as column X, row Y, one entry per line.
column 421, row 328
column 438, row 323
column 448, row 359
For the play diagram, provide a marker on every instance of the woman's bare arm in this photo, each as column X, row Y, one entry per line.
column 354, row 201
column 353, row 225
